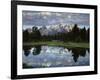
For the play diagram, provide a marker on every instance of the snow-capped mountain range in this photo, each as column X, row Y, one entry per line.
column 54, row 29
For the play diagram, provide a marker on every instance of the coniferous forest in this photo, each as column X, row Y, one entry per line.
column 75, row 35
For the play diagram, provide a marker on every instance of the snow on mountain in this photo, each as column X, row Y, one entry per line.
column 54, row 29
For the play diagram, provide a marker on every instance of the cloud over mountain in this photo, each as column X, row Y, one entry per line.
column 42, row 18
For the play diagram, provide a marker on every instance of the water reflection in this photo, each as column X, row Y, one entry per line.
column 50, row 56
column 78, row 52
column 36, row 50
column 26, row 50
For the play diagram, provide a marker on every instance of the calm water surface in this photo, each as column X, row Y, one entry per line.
column 51, row 56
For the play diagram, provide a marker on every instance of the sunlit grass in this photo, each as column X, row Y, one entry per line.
column 59, row 43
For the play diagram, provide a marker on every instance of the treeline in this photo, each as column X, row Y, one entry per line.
column 75, row 35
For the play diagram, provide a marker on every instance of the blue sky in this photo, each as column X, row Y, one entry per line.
column 41, row 18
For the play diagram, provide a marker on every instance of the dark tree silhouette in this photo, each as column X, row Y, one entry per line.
column 83, row 34
column 26, row 36
column 34, row 28
column 37, row 50
column 75, row 35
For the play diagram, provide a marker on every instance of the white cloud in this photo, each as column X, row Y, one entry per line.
column 45, row 13
column 58, row 14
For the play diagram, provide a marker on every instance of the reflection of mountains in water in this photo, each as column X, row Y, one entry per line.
column 36, row 50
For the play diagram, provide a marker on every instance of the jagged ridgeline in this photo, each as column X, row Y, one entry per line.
column 59, row 32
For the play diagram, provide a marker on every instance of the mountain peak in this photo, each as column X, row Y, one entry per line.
column 54, row 29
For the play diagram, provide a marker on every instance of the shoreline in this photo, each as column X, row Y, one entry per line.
column 58, row 43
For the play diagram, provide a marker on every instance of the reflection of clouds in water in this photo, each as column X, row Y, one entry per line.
column 54, row 56
column 85, row 58
column 32, row 50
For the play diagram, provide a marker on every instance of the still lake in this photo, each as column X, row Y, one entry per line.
column 43, row 56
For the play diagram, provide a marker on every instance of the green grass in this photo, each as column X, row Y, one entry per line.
column 59, row 43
